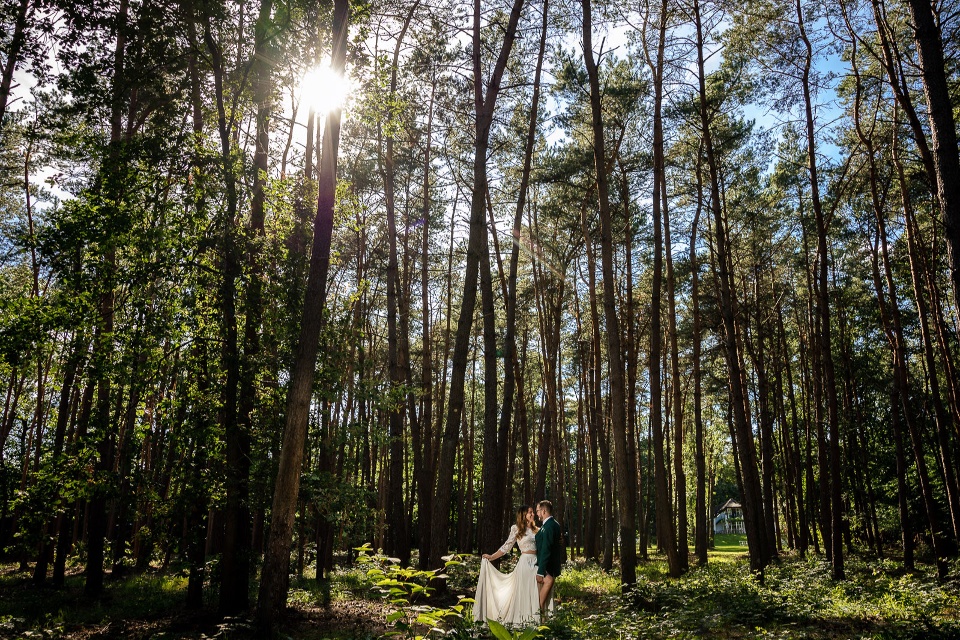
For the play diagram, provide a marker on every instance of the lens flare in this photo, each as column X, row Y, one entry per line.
column 323, row 89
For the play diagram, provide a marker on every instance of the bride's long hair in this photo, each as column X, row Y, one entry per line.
column 522, row 520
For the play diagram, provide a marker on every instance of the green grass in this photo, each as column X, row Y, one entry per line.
column 726, row 545
column 144, row 598
column 582, row 582
column 344, row 585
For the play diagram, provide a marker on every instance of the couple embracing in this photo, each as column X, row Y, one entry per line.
column 524, row 596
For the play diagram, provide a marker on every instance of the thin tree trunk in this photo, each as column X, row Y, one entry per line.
column 510, row 368
column 125, row 453
column 599, row 442
column 197, row 511
column 65, row 536
column 632, row 354
column 397, row 541
column 890, row 314
column 701, row 518
column 912, row 428
column 795, row 457
column 813, row 405
column 476, row 248
column 40, row 569
column 680, row 478
column 625, row 464
column 197, row 518
column 823, row 307
column 273, row 585
column 235, row 573
column 757, row 348
column 294, row 110
column 424, row 448
column 666, row 527
column 740, row 425
column 780, row 358
column 231, row 600
column 103, row 339
column 548, row 317
column 13, row 55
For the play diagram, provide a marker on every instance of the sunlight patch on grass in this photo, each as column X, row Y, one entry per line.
column 141, row 597
column 728, row 544
column 345, row 583
column 586, row 580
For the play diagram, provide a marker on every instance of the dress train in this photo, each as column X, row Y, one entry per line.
column 511, row 599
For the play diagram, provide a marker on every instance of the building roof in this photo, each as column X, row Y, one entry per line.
column 729, row 504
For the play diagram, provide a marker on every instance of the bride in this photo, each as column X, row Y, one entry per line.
column 511, row 599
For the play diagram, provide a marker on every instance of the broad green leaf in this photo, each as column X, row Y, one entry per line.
column 393, row 617
column 499, row 630
column 529, row 634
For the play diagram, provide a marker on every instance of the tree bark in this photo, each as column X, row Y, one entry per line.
column 912, row 428
column 599, row 442
column 230, row 600
column 795, row 456
column 235, row 572
column 943, row 130
column 666, row 527
column 756, row 346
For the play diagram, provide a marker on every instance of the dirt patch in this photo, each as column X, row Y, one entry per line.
column 340, row 619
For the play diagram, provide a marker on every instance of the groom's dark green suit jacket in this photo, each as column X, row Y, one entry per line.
column 548, row 548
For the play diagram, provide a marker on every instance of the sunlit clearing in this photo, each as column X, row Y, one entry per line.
column 323, row 89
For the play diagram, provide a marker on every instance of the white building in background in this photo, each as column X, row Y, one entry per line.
column 729, row 519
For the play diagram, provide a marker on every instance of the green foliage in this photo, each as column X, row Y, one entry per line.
column 343, row 503
column 723, row 600
column 797, row 599
column 405, row 588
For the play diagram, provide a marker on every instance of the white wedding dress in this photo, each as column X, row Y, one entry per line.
column 511, row 599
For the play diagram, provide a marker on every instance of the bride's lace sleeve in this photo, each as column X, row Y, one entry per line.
column 511, row 540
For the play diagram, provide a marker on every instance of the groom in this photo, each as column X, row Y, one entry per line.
column 549, row 539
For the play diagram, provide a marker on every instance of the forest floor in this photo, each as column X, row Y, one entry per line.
column 722, row 600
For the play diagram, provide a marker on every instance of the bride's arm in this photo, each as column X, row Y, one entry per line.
column 507, row 546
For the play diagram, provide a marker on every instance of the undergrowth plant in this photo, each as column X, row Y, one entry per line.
column 500, row 632
column 407, row 589
column 797, row 599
